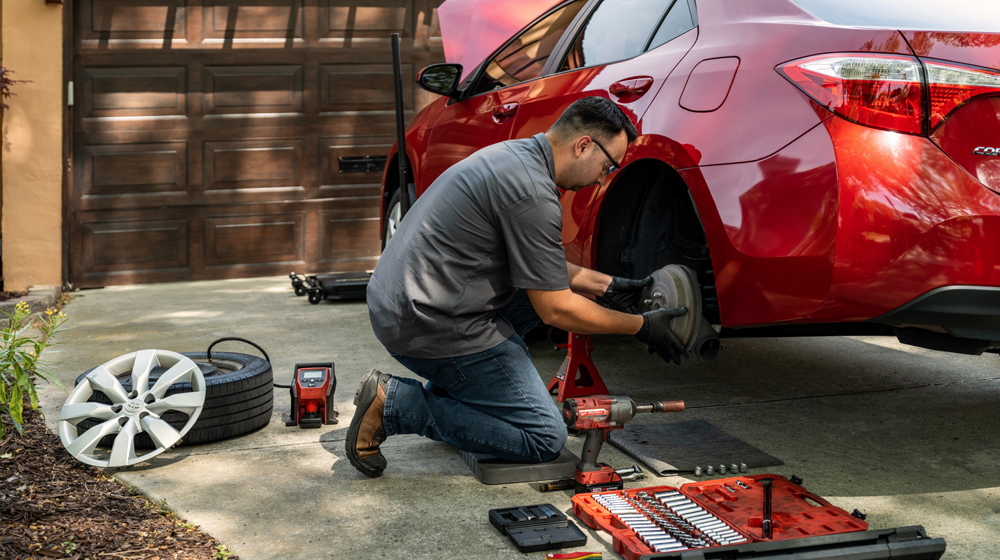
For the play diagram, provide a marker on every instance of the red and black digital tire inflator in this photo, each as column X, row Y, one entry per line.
column 312, row 392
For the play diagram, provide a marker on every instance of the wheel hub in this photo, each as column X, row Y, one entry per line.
column 677, row 286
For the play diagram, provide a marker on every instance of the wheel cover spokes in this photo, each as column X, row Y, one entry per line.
column 77, row 412
column 145, row 360
column 394, row 218
column 123, row 450
column 131, row 414
column 178, row 372
column 104, row 381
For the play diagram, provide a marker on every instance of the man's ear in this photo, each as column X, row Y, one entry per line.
column 582, row 143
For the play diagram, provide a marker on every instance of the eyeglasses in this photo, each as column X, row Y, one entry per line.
column 614, row 164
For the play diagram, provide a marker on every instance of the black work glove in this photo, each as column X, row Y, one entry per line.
column 623, row 294
column 656, row 334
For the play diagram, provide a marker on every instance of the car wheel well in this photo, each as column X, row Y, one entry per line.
column 649, row 220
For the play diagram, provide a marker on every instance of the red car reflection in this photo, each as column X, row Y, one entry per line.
column 824, row 168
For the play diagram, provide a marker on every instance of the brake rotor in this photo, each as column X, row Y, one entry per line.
column 677, row 286
column 131, row 412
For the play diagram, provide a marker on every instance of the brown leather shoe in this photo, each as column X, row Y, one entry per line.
column 366, row 431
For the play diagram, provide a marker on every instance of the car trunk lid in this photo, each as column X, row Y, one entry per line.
column 963, row 70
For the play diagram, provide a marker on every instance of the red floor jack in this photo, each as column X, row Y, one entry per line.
column 596, row 416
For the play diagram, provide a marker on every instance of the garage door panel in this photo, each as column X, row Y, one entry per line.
column 115, row 246
column 346, row 169
column 104, row 21
column 244, row 21
column 129, row 91
column 117, row 130
column 135, row 169
column 349, row 234
column 375, row 19
column 255, row 239
column 253, row 164
column 253, row 89
column 362, row 87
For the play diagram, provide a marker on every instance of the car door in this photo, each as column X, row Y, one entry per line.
column 600, row 56
column 485, row 113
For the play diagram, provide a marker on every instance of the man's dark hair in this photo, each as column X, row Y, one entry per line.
column 594, row 116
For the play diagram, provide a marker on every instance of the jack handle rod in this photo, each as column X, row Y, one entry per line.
column 397, row 75
column 661, row 406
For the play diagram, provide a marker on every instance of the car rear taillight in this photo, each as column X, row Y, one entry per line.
column 881, row 91
column 885, row 91
column 952, row 85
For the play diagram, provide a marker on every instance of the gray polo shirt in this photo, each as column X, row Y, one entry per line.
column 488, row 225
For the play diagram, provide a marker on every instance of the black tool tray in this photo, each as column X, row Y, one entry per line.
column 538, row 527
column 901, row 543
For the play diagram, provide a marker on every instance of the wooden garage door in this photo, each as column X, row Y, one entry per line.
column 210, row 135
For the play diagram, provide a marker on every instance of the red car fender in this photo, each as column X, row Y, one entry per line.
column 415, row 142
column 645, row 147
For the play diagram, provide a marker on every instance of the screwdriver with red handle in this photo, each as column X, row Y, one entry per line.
column 596, row 416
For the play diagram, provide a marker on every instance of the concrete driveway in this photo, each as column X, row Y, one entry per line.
column 908, row 436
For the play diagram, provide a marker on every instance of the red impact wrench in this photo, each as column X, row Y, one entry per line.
column 596, row 416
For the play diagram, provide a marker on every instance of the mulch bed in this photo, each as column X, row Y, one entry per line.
column 7, row 296
column 53, row 506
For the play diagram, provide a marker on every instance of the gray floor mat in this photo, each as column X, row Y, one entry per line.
column 679, row 447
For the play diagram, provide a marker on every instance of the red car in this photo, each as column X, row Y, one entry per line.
column 821, row 167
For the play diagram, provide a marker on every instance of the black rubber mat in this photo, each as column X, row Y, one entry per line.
column 679, row 447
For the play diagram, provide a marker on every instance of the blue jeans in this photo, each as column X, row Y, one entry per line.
column 489, row 402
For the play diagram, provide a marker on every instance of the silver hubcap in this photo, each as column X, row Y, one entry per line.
column 393, row 221
column 132, row 413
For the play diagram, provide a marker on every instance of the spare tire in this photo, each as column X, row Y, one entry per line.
column 239, row 398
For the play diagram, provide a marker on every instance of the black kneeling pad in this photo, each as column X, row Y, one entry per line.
column 491, row 470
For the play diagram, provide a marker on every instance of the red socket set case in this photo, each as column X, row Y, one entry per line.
column 714, row 513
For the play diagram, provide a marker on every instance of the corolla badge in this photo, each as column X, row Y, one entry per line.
column 985, row 151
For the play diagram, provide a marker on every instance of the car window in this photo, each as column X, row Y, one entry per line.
column 616, row 30
column 523, row 58
column 677, row 23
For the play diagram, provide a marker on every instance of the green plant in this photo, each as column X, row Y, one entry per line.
column 70, row 545
column 162, row 508
column 222, row 553
column 21, row 363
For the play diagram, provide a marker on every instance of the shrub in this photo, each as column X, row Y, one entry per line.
column 21, row 363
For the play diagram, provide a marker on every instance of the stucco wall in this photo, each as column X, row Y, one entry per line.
column 31, row 154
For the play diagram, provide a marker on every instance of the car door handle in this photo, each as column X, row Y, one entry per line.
column 631, row 89
column 505, row 111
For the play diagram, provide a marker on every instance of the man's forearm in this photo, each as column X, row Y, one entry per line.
column 574, row 313
column 587, row 281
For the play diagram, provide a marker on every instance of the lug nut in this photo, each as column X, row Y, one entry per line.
column 697, row 471
column 722, row 469
column 743, row 467
column 710, row 471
